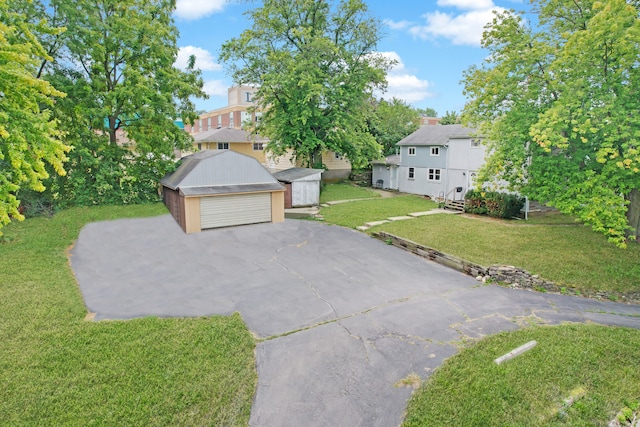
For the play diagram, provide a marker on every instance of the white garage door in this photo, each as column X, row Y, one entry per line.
column 223, row 211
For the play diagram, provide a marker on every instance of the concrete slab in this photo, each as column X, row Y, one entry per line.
column 418, row 214
column 400, row 218
column 348, row 316
column 299, row 213
column 374, row 223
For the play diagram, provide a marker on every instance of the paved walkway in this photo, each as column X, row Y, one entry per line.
column 342, row 317
column 386, row 194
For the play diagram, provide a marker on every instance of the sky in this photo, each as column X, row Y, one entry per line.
column 433, row 42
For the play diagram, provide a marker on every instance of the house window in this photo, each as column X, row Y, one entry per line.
column 248, row 94
column 231, row 119
column 412, row 151
column 220, row 120
column 475, row 143
column 412, row 173
column 258, row 146
column 433, row 175
column 209, row 123
column 199, row 146
column 245, row 118
column 223, row 145
column 435, row 151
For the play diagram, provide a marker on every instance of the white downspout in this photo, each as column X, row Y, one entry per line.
column 446, row 177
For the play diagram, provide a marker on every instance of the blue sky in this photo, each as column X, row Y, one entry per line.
column 433, row 42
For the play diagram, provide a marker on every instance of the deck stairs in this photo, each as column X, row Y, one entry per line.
column 456, row 205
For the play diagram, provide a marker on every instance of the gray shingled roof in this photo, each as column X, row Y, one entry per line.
column 294, row 174
column 436, row 135
column 389, row 160
column 227, row 135
column 218, row 168
column 230, row 189
column 187, row 164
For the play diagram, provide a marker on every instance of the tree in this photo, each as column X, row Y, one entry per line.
column 428, row 112
column 315, row 70
column 116, row 65
column 560, row 109
column 29, row 138
column 392, row 121
column 450, row 118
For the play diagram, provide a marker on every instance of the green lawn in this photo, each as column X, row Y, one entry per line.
column 357, row 213
column 567, row 255
column 600, row 364
column 340, row 191
column 470, row 390
column 58, row 369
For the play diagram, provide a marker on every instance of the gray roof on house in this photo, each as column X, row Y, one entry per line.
column 437, row 135
column 218, row 168
column 393, row 160
column 227, row 135
column 295, row 174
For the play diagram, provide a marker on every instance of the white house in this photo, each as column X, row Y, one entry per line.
column 439, row 161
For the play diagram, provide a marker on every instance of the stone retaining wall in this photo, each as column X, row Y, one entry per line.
column 456, row 263
column 361, row 178
column 515, row 277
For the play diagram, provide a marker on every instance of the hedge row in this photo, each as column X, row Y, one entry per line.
column 492, row 203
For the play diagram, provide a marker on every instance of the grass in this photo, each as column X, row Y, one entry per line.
column 354, row 214
column 550, row 218
column 333, row 192
column 58, row 369
column 567, row 255
column 598, row 363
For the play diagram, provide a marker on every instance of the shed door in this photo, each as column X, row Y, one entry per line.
column 238, row 209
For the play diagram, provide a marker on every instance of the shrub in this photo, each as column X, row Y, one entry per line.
column 492, row 203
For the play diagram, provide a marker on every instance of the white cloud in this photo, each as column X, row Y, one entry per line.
column 196, row 9
column 402, row 84
column 400, row 25
column 204, row 59
column 467, row 4
column 462, row 29
column 215, row 88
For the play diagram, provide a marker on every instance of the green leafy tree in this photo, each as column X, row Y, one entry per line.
column 428, row 112
column 29, row 137
column 392, row 121
column 450, row 118
column 116, row 65
column 559, row 108
column 315, row 68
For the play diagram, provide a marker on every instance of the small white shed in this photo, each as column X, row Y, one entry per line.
column 385, row 172
column 302, row 186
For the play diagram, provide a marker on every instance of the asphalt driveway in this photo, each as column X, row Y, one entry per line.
column 348, row 316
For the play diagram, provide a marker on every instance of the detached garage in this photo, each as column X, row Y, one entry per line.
column 221, row 188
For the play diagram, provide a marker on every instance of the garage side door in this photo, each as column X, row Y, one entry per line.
column 223, row 211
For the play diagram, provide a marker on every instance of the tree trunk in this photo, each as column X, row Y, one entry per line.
column 633, row 213
column 112, row 130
